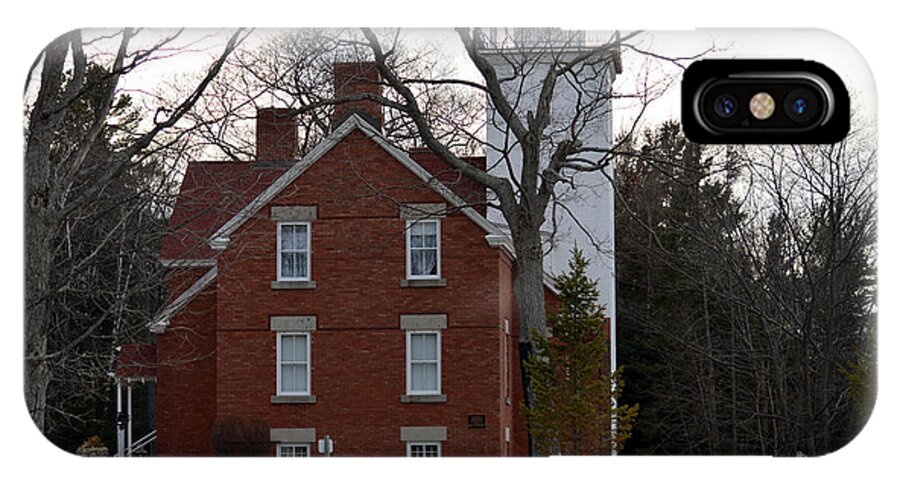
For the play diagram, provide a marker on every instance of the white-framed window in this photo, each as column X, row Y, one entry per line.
column 293, row 449
column 293, row 250
column 423, row 449
column 423, row 362
column 423, row 249
column 292, row 354
column 507, row 367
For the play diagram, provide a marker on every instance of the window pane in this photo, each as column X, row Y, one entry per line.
column 300, row 350
column 424, row 377
column 289, row 378
column 430, row 240
column 287, row 237
column 415, row 346
column 423, row 262
column 423, row 346
column 431, row 450
column 416, row 265
column 417, row 377
column 287, row 348
column 294, row 237
column 302, row 268
column 430, row 374
column 429, row 228
column 429, row 262
column 300, row 371
column 294, row 264
column 429, row 346
column 415, row 240
column 300, row 237
column 288, row 265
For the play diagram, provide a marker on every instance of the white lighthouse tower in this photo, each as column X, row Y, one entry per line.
column 581, row 108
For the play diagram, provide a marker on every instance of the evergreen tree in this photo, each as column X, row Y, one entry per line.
column 570, row 414
column 745, row 294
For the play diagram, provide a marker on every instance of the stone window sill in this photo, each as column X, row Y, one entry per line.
column 293, row 399
column 293, row 285
column 423, row 282
column 423, row 399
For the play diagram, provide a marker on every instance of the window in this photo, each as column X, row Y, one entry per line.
column 423, row 249
column 423, row 363
column 293, row 449
column 293, row 363
column 421, row 449
column 293, row 251
column 507, row 368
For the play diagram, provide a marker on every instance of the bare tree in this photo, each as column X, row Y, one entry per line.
column 552, row 146
column 747, row 276
column 295, row 70
column 74, row 150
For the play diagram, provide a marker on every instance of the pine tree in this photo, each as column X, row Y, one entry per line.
column 569, row 374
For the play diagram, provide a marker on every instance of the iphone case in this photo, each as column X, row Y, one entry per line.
column 481, row 242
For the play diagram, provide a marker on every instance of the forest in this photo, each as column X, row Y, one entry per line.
column 746, row 294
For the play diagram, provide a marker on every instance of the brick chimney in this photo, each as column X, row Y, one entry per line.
column 276, row 134
column 353, row 78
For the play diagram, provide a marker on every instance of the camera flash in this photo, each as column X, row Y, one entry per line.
column 762, row 106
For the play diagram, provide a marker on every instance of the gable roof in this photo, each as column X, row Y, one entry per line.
column 272, row 185
column 210, row 194
column 220, row 239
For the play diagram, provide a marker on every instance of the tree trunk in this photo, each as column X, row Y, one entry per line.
column 529, row 289
column 45, row 117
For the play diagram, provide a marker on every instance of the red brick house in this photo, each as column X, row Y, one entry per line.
column 357, row 292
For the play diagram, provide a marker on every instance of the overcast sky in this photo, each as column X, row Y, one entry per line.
column 203, row 45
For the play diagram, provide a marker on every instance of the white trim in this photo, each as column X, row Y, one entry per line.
column 409, row 446
column 308, row 252
column 507, row 363
column 501, row 241
column 495, row 236
column 219, row 239
column 307, row 446
column 409, row 334
column 187, row 262
column 278, row 362
column 409, row 225
column 161, row 321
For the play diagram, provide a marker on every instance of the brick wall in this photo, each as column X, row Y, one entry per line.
column 358, row 350
column 276, row 134
column 186, row 372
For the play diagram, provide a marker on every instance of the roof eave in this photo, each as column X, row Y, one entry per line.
column 159, row 323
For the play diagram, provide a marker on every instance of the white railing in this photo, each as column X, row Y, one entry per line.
column 138, row 446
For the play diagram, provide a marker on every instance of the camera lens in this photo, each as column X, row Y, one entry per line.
column 801, row 105
column 725, row 105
